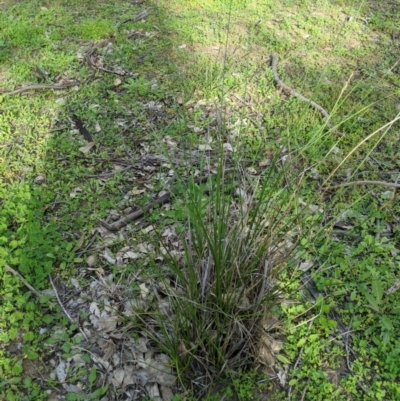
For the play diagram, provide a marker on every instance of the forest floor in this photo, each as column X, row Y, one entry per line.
column 103, row 104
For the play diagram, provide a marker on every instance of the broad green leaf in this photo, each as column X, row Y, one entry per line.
column 283, row 359
column 92, row 375
column 99, row 392
column 32, row 355
column 377, row 289
column 27, row 382
column 372, row 302
column 29, row 336
column 387, row 323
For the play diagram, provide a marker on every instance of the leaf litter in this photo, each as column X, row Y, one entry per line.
column 109, row 305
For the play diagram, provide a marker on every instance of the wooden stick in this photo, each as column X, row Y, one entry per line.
column 69, row 317
column 290, row 91
column 15, row 273
column 39, row 87
column 137, row 214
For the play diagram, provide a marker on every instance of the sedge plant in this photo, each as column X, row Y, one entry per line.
column 218, row 290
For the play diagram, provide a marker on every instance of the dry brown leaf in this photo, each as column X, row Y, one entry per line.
column 144, row 290
column 205, row 147
column 136, row 191
column 40, row 179
column 251, row 170
column 91, row 260
column 305, row 266
column 265, row 163
column 86, row 149
column 75, row 191
column 107, row 323
column 167, row 394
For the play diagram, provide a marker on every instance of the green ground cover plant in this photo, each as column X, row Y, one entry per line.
column 179, row 97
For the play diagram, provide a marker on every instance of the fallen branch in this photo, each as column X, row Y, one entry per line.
column 382, row 183
column 137, row 214
column 124, row 221
column 90, row 57
column 15, row 273
column 290, row 91
column 69, row 317
column 106, row 175
column 40, row 87
column 138, row 17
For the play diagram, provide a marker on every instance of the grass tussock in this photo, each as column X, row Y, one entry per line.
column 221, row 289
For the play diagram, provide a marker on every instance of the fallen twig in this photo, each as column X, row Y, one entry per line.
column 394, row 287
column 138, row 17
column 106, row 175
column 40, row 87
column 290, row 91
column 137, row 214
column 382, row 183
column 15, row 273
column 90, row 59
column 69, row 317
column 124, row 221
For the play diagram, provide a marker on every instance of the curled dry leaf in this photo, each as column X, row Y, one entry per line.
column 304, row 266
column 160, row 373
column 145, row 248
column 136, row 191
column 71, row 388
column 394, row 287
column 107, row 323
column 86, row 149
column 227, row 146
column 189, row 104
column 94, row 309
column 61, row 371
column 75, row 191
column 148, row 229
column 251, row 170
column 141, row 345
column 130, row 255
column 153, row 392
column 265, row 163
column 78, row 360
column 205, row 147
column 167, row 394
column 265, row 356
column 171, row 144
column 282, row 376
column 108, row 256
column 118, row 377
column 315, row 208
column 144, row 290
column 40, row 179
